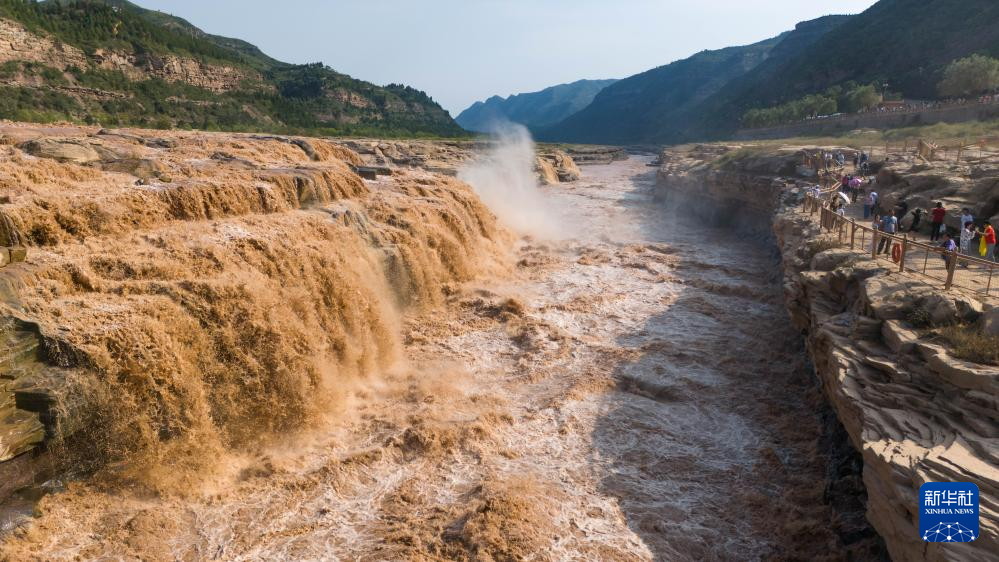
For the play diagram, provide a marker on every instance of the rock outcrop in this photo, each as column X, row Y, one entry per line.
column 915, row 411
column 562, row 164
column 20, row 45
column 584, row 154
column 448, row 157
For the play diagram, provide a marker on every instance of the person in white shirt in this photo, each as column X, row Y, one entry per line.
column 966, row 216
column 967, row 235
column 870, row 204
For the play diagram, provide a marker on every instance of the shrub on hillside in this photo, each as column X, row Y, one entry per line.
column 970, row 76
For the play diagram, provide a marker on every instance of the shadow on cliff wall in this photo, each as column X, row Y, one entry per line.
column 717, row 441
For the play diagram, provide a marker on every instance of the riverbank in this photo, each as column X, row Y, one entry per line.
column 915, row 411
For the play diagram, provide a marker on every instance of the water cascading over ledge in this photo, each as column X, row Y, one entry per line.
column 212, row 292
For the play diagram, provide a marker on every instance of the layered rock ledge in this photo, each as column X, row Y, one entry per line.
column 915, row 411
column 552, row 165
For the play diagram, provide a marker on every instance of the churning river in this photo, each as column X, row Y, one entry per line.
column 631, row 391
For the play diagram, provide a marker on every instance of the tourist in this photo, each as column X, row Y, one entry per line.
column 856, row 161
column 966, row 216
column 917, row 217
column 875, row 225
column 967, row 235
column 937, row 223
column 870, row 203
column 855, row 188
column 841, row 159
column 989, row 235
column 949, row 246
column 902, row 209
column 889, row 225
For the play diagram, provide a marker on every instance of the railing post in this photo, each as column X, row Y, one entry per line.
column 905, row 248
column 853, row 233
column 951, row 267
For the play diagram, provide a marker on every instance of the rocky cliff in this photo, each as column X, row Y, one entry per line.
column 915, row 410
column 114, row 63
column 17, row 44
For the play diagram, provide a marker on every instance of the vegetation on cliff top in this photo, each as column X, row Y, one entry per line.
column 274, row 96
column 849, row 98
column 906, row 44
column 970, row 76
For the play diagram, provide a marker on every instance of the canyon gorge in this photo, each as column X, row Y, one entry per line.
column 231, row 346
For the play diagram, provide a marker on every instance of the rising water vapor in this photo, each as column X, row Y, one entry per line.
column 505, row 180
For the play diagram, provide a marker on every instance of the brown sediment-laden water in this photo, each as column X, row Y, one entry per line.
column 628, row 388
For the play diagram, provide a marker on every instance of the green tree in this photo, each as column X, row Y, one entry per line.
column 860, row 97
column 969, row 76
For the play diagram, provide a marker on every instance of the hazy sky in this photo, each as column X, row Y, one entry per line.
column 460, row 51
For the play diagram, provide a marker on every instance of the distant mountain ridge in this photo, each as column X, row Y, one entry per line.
column 112, row 62
column 535, row 110
column 662, row 105
column 902, row 43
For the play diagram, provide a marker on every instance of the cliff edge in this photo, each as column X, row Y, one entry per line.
column 913, row 408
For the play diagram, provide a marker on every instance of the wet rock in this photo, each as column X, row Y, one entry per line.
column 142, row 168
column 562, row 164
column 61, row 150
column 151, row 142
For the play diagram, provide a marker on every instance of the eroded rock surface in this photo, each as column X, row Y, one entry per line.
column 914, row 410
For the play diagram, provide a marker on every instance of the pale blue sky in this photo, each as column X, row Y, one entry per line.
column 460, row 51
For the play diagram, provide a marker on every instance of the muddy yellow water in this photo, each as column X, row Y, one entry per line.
column 631, row 391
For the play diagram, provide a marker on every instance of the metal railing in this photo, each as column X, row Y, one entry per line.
column 954, row 269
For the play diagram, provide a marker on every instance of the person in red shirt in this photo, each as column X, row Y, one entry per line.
column 990, row 242
column 938, row 215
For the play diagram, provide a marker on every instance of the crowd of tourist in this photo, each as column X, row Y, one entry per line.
column 915, row 106
column 975, row 239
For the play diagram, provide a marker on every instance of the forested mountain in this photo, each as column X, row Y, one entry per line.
column 905, row 44
column 535, row 110
column 662, row 105
column 112, row 62
column 902, row 43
